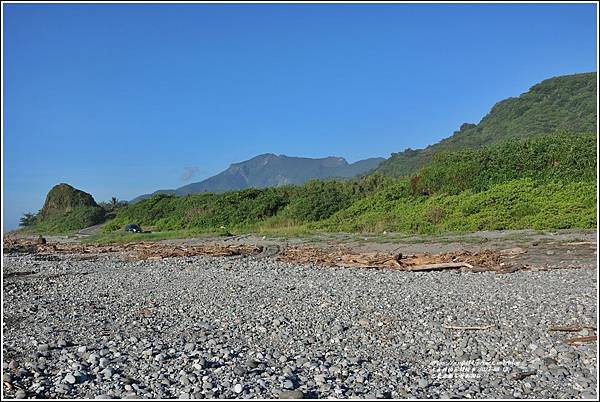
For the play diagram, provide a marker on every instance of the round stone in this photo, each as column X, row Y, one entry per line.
column 70, row 378
column 295, row 394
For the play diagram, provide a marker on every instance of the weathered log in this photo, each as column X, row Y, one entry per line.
column 470, row 328
column 580, row 340
column 438, row 267
column 570, row 328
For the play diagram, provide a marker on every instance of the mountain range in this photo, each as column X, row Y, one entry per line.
column 270, row 170
column 559, row 104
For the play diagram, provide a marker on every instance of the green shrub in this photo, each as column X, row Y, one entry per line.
column 75, row 219
column 546, row 158
column 517, row 204
column 559, row 104
column 318, row 200
column 545, row 182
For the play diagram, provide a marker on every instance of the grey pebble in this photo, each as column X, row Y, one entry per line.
column 70, row 378
column 291, row 395
column 271, row 329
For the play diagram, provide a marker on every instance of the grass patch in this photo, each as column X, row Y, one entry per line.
column 68, row 222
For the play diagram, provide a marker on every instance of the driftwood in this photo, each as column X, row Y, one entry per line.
column 513, row 251
column 438, row 267
column 135, row 251
column 344, row 257
column 486, row 260
column 159, row 251
column 581, row 340
column 570, row 328
column 470, row 328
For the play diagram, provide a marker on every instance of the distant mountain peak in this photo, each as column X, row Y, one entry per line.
column 271, row 170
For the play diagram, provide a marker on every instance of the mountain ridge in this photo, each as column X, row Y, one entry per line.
column 559, row 104
column 271, row 170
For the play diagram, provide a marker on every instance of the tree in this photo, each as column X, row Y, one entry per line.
column 113, row 204
column 28, row 219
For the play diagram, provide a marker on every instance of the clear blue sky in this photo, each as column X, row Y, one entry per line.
column 118, row 100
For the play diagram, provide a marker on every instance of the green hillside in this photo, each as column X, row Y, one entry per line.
column 66, row 209
column 76, row 219
column 245, row 209
column 547, row 182
column 558, row 157
column 542, row 182
column 530, row 163
column 516, row 204
column 560, row 104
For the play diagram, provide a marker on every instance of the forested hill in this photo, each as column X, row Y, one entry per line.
column 559, row 104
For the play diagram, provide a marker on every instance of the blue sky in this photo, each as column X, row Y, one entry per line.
column 120, row 100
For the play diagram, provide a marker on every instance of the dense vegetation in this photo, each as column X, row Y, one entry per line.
column 560, row 104
column 560, row 157
column 243, row 210
column 516, row 204
column 75, row 219
column 528, row 164
column 68, row 209
column 543, row 182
